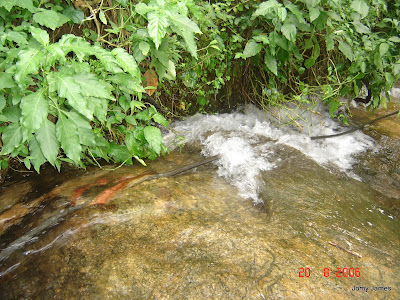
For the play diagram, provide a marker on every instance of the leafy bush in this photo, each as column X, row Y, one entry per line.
column 69, row 94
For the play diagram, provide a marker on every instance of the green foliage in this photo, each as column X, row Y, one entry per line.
column 69, row 100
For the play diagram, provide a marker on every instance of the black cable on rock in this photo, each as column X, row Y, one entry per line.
column 354, row 129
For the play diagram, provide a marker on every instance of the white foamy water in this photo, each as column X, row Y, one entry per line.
column 245, row 142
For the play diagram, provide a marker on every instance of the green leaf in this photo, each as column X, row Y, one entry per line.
column 17, row 37
column 12, row 113
column 71, row 90
column 99, row 107
column 120, row 153
column 252, row 48
column 383, row 48
column 144, row 47
column 126, row 62
column 314, row 13
column 34, row 108
column 46, row 137
column 142, row 9
column 67, row 134
column 184, row 23
column 28, row 63
column 361, row 7
column 79, row 46
column 160, row 120
column 271, row 63
column 6, row 81
column 157, row 27
column 102, row 17
column 123, row 3
column 50, row 19
column 36, row 155
column 330, row 43
column 76, row 15
column 107, row 59
column 85, row 132
column 9, row 4
column 266, row 7
column 40, row 35
column 346, row 50
column 360, row 27
column 153, row 137
column 289, row 31
column 186, row 29
column 12, row 138
column 394, row 39
column 281, row 13
column 90, row 85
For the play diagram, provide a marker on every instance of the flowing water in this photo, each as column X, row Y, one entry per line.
column 276, row 216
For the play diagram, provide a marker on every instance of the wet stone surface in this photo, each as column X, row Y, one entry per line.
column 190, row 236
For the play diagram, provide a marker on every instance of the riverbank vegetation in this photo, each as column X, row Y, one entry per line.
column 83, row 80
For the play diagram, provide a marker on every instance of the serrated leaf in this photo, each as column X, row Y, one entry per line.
column 78, row 45
column 271, row 63
column 160, row 120
column 314, row 13
column 394, row 39
column 142, row 9
column 346, row 50
column 17, row 37
column 361, row 7
column 281, row 12
column 360, row 27
column 126, row 62
column 28, row 63
column 46, row 137
column 252, row 48
column 67, row 134
column 40, row 35
column 68, row 88
column 127, row 83
column 157, row 27
column 12, row 138
column 99, row 107
column 330, row 43
column 136, row 104
column 9, row 4
column 12, row 113
column 153, row 137
column 102, row 17
column 36, row 155
column 289, row 31
column 6, row 81
column 76, row 15
column 184, row 23
column 144, row 47
column 171, row 71
column 383, row 48
column 85, row 131
column 120, row 153
column 91, row 86
column 107, row 59
column 34, row 108
column 266, row 7
column 50, row 19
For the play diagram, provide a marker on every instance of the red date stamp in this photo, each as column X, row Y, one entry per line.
column 340, row 272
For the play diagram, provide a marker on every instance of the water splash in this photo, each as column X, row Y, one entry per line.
column 247, row 143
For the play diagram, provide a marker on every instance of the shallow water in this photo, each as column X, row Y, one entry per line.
column 200, row 235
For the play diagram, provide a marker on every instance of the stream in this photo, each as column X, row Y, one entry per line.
column 276, row 216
